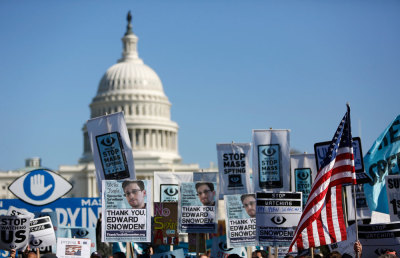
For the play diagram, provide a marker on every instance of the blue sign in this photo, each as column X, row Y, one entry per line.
column 71, row 212
column 40, row 187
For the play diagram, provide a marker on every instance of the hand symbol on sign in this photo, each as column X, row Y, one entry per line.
column 37, row 185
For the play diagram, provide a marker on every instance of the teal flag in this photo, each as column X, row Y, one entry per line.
column 381, row 160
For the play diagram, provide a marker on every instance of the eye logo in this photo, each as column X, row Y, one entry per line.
column 13, row 246
column 268, row 151
column 302, row 175
column 36, row 242
column 40, row 187
column 278, row 220
column 234, row 179
column 380, row 251
column 108, row 141
column 224, row 247
column 171, row 191
column 82, row 232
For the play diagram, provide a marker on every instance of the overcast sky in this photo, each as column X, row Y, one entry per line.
column 227, row 67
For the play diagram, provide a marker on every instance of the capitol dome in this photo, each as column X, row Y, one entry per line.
column 134, row 88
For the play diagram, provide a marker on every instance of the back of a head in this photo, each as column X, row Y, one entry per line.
column 334, row 254
column 234, row 256
column 96, row 255
column 119, row 255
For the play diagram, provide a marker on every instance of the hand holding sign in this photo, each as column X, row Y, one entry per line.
column 37, row 185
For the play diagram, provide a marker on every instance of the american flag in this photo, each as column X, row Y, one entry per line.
column 322, row 222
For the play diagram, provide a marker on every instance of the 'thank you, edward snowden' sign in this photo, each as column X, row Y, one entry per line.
column 40, row 187
column 111, row 148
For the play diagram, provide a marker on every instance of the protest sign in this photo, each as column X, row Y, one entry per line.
column 14, row 211
column 198, row 207
column 303, row 171
column 111, row 148
column 41, row 233
column 78, row 232
column 377, row 238
column 393, row 196
column 240, row 219
column 346, row 246
column 74, row 212
column 321, row 148
column 277, row 216
column 14, row 232
column 221, row 250
column 126, row 210
column 171, row 254
column 381, row 160
column 166, row 185
column 73, row 247
column 165, row 224
column 271, row 160
column 234, row 168
column 363, row 211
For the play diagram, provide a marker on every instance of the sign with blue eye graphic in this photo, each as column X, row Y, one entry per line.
column 169, row 192
column 321, row 148
column 40, row 187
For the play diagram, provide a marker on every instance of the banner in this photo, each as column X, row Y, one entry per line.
column 271, row 160
column 126, row 211
column 166, row 185
column 382, row 160
column 234, row 168
column 393, row 196
column 377, row 238
column 111, row 148
column 363, row 211
column 220, row 249
column 41, row 233
column 73, row 247
column 165, row 224
column 277, row 217
column 198, row 207
column 303, row 171
column 14, row 232
column 240, row 219
column 74, row 212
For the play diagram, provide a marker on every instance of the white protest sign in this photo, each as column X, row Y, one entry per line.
column 198, row 207
column 73, row 247
column 126, row 207
column 271, row 160
column 41, row 233
column 303, row 171
column 13, row 211
column 393, row 195
column 240, row 220
column 166, row 185
column 111, row 148
column 346, row 246
column 377, row 238
column 363, row 211
column 14, row 232
column 234, row 168
column 278, row 214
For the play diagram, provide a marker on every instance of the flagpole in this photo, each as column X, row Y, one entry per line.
column 355, row 215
